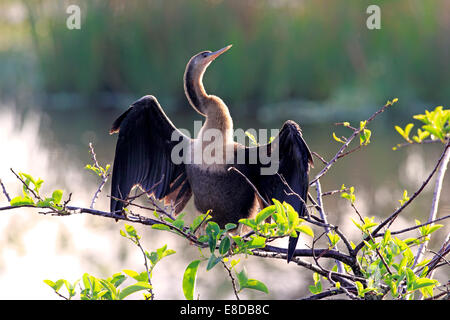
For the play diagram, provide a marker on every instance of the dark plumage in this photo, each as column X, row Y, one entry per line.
column 144, row 148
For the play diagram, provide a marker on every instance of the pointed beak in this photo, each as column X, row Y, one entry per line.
column 214, row 55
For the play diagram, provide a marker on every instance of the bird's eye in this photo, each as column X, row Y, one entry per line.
column 204, row 55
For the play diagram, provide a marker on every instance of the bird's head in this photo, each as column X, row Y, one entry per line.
column 202, row 60
column 193, row 77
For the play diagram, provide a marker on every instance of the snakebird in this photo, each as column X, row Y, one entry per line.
column 146, row 146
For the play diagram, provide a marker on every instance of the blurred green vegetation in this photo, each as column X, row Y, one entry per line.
column 283, row 50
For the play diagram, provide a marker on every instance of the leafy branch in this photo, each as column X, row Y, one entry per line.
column 383, row 264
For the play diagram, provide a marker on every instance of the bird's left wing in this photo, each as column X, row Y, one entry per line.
column 291, row 159
column 143, row 155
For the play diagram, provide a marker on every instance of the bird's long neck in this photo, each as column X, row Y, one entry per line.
column 212, row 107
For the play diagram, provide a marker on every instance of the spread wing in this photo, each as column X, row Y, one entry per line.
column 143, row 156
column 290, row 160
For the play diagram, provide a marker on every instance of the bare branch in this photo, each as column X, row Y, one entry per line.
column 103, row 175
column 388, row 221
column 324, row 218
column 340, row 152
column 23, row 182
column 4, row 191
column 233, row 281
column 435, row 201
column 150, row 290
column 251, row 185
column 319, row 157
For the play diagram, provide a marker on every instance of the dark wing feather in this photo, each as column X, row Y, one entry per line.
column 143, row 155
column 294, row 158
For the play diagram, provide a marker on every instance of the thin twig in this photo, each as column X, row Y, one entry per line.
column 373, row 240
column 103, row 175
column 26, row 186
column 292, row 192
column 233, row 281
column 4, row 191
column 321, row 223
column 326, row 253
column 415, row 227
column 251, row 185
column 324, row 294
column 319, row 157
column 394, row 215
column 324, row 218
column 405, row 144
column 332, row 192
column 442, row 252
column 335, row 275
column 347, row 143
column 150, row 290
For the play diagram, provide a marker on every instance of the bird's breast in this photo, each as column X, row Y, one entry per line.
column 224, row 192
column 211, row 154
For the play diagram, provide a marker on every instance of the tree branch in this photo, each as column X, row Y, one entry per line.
column 4, row 191
column 435, row 201
column 340, row 152
column 388, row 221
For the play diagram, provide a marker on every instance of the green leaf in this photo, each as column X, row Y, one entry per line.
column 334, row 238
column 242, row 277
column 410, row 278
column 230, row 226
column 212, row 261
column 434, row 131
column 56, row 286
column 337, row 139
column 189, row 279
column 38, row 184
column 264, row 214
column 405, row 133
column 117, row 279
column 423, row 282
column 160, row 226
column 164, row 252
column 138, row 286
column 212, row 230
column 256, row 242
column 255, row 285
column 279, row 216
column 248, row 222
column 234, row 262
column 292, row 215
column 44, row 203
column 57, row 196
column 360, row 289
column 317, row 287
column 130, row 230
column 252, row 138
column 224, row 245
column 306, row 230
column 434, row 227
column 50, row 283
column 131, row 273
column 198, row 220
column 364, row 137
column 20, row 201
column 110, row 288
column 178, row 223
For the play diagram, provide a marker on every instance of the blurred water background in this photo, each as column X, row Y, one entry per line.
column 314, row 62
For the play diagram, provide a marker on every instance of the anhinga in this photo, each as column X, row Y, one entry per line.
column 145, row 144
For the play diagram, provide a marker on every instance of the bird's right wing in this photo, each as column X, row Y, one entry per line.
column 290, row 181
column 143, row 156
